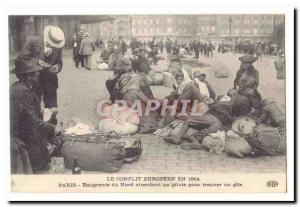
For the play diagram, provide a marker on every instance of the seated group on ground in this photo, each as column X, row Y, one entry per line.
column 193, row 116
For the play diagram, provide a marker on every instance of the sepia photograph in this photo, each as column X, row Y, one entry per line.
column 148, row 102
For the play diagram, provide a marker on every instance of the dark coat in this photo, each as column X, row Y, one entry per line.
column 77, row 42
column 134, row 44
column 168, row 46
column 49, row 79
column 27, row 125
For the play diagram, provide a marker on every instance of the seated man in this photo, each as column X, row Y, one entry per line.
column 133, row 87
column 140, row 62
column 121, row 67
column 29, row 133
column 205, row 89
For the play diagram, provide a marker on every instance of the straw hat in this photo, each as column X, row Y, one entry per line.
column 243, row 125
column 54, row 36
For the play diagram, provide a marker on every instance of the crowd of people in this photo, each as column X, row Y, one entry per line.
column 257, row 48
column 38, row 64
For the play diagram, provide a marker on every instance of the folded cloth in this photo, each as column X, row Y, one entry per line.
column 79, row 129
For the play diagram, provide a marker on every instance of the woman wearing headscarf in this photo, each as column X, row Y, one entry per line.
column 189, row 100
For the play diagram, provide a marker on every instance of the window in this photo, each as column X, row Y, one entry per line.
column 145, row 21
column 202, row 28
column 157, row 21
column 255, row 31
column 169, row 21
column 151, row 21
column 207, row 28
column 246, row 31
column 151, row 30
column 246, row 21
column 169, row 29
column 237, row 31
column 213, row 29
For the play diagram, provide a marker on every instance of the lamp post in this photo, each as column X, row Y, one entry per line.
column 230, row 23
column 130, row 26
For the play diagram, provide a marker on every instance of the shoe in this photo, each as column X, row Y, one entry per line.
column 172, row 140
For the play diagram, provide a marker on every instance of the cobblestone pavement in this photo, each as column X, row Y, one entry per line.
column 80, row 91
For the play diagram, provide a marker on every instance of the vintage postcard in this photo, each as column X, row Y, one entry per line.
column 162, row 103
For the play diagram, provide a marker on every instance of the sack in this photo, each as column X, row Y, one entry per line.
column 236, row 146
column 120, row 127
column 214, row 142
column 148, row 124
column 93, row 152
column 158, row 79
column 221, row 74
column 275, row 114
column 102, row 66
column 267, row 141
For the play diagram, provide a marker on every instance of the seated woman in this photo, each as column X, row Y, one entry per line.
column 189, row 99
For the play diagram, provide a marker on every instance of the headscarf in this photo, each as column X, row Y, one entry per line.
column 186, row 80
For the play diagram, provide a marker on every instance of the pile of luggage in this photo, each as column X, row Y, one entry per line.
column 91, row 150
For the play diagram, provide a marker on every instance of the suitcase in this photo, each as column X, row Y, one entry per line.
column 94, row 152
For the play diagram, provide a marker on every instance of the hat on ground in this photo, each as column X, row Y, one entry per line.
column 243, row 125
column 198, row 73
column 54, row 36
column 249, row 59
column 26, row 65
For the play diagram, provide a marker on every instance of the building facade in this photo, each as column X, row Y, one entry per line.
column 250, row 26
column 208, row 26
column 145, row 27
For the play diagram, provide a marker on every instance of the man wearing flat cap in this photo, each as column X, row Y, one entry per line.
column 29, row 133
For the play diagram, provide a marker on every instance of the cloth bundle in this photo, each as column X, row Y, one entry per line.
column 122, row 121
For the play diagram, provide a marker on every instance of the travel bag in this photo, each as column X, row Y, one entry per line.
column 94, row 152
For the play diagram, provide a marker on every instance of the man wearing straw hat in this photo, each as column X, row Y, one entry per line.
column 54, row 40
